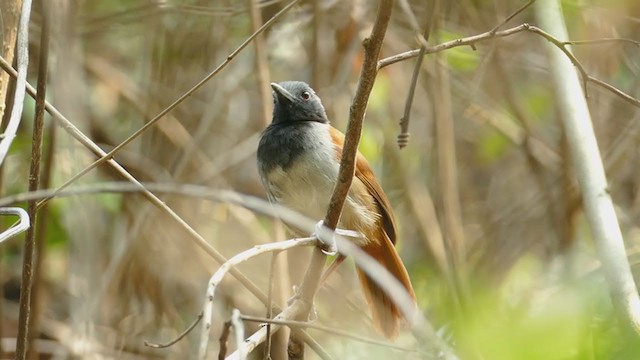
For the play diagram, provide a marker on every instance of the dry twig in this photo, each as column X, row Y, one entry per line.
column 179, row 337
column 338, row 332
column 226, row 267
column 372, row 46
column 472, row 40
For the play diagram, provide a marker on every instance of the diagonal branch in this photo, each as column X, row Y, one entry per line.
column 372, row 46
column 472, row 40
column 228, row 266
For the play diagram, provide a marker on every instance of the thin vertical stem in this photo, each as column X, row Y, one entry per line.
column 25, row 331
column 372, row 46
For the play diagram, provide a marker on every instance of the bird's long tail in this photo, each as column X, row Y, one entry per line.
column 386, row 316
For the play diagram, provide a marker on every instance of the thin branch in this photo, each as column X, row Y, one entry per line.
column 403, row 137
column 290, row 312
column 22, row 59
column 626, row 97
column 472, row 40
column 514, row 14
column 602, row 41
column 25, row 330
column 178, row 338
column 413, row 22
column 226, row 267
column 372, row 46
column 342, row 333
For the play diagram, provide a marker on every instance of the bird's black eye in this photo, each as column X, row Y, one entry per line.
column 306, row 95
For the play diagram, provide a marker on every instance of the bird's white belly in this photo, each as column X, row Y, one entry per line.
column 307, row 186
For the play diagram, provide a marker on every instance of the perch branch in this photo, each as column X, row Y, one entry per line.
column 226, row 267
column 421, row 326
column 372, row 46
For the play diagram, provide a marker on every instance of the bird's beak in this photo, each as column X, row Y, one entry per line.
column 282, row 93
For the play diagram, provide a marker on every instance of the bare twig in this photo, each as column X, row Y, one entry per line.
column 22, row 58
column 23, row 223
column 226, row 267
column 342, row 333
column 514, row 14
column 179, row 337
column 626, row 97
column 413, row 22
column 602, row 41
column 25, row 322
column 260, row 336
column 372, row 46
column 403, row 137
column 472, row 40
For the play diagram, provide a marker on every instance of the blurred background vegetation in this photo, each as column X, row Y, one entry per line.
column 526, row 282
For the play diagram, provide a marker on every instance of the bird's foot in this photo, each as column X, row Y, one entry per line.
column 326, row 236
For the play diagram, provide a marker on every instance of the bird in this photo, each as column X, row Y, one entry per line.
column 298, row 159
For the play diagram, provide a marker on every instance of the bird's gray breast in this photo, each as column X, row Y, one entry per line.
column 298, row 166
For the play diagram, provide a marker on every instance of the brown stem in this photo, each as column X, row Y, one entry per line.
column 372, row 46
column 27, row 299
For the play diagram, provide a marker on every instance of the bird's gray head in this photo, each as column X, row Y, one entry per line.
column 296, row 101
